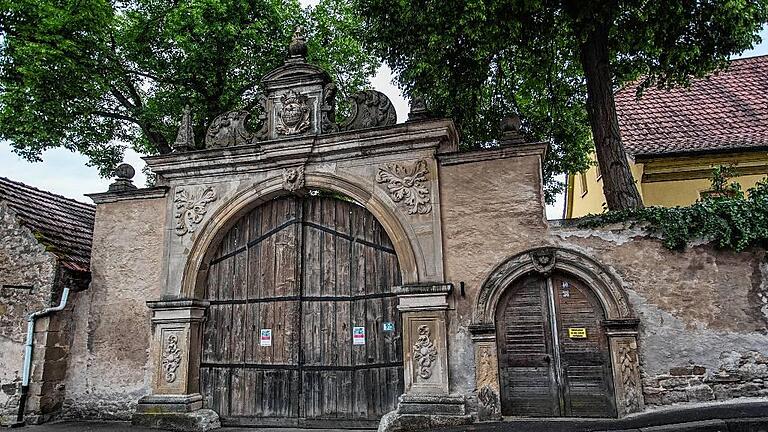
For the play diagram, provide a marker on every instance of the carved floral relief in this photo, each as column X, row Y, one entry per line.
column 424, row 352
column 171, row 358
column 191, row 209
column 408, row 185
column 628, row 364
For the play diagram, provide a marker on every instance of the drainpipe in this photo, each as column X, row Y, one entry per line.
column 28, row 350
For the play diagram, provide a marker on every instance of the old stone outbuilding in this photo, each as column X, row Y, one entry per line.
column 46, row 246
column 309, row 272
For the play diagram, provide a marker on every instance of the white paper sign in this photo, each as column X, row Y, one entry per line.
column 265, row 339
column 358, row 335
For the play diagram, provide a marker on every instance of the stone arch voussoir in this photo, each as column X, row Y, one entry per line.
column 402, row 236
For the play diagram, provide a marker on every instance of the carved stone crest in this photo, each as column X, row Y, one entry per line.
column 190, row 209
column 408, row 185
column 228, row 130
column 293, row 116
column 293, row 178
column 424, row 352
column 543, row 260
column 171, row 358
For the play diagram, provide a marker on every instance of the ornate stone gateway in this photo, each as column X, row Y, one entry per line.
column 554, row 358
column 303, row 326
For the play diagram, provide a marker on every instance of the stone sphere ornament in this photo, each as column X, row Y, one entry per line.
column 125, row 171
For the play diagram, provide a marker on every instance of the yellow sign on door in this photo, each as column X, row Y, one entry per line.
column 577, row 332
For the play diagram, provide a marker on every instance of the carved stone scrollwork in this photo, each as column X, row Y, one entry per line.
column 629, row 365
column 424, row 352
column 293, row 116
column 543, row 260
column 228, row 130
column 370, row 108
column 293, row 179
column 190, row 209
column 328, row 109
column 408, row 185
column 171, row 358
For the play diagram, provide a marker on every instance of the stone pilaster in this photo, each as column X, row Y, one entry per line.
column 175, row 401
column 622, row 338
column 486, row 372
column 427, row 401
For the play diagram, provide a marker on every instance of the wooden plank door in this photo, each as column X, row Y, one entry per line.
column 253, row 284
column 526, row 352
column 350, row 267
column 554, row 358
column 585, row 364
column 310, row 270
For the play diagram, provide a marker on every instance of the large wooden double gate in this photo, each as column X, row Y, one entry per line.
column 287, row 286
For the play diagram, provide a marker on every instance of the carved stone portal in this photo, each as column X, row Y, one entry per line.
column 190, row 209
column 408, row 185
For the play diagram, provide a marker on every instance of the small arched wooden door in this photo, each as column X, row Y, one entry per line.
column 288, row 285
column 554, row 358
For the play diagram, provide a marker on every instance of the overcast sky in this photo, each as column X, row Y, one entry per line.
column 66, row 173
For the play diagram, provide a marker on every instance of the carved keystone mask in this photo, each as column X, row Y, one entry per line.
column 543, row 260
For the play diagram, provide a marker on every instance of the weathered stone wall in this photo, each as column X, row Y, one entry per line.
column 703, row 312
column 108, row 370
column 23, row 263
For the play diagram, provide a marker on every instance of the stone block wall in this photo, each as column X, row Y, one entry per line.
column 27, row 276
column 108, row 370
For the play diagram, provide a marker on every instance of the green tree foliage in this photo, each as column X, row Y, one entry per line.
column 94, row 76
column 479, row 60
column 724, row 216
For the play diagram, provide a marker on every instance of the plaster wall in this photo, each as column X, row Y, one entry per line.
column 23, row 263
column 703, row 312
column 109, row 356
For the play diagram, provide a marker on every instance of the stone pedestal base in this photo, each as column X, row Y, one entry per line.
column 424, row 412
column 176, row 413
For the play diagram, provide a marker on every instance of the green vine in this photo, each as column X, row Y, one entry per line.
column 724, row 216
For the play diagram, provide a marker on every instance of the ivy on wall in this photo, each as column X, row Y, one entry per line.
column 724, row 215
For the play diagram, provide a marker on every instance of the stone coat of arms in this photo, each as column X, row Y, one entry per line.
column 293, row 115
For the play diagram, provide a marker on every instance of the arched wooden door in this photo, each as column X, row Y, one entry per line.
column 554, row 358
column 288, row 285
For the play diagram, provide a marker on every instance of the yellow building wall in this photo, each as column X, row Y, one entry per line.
column 665, row 182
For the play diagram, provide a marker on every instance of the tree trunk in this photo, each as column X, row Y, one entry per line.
column 618, row 185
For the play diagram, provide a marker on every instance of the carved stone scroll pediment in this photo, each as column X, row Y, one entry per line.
column 370, row 108
column 229, row 129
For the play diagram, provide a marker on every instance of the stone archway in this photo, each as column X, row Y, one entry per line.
column 412, row 263
column 620, row 323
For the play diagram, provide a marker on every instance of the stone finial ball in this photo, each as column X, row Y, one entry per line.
column 511, row 124
column 125, row 171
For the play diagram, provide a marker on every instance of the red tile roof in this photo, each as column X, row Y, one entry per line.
column 63, row 225
column 725, row 112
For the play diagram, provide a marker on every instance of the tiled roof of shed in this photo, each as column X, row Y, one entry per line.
column 63, row 225
column 725, row 112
